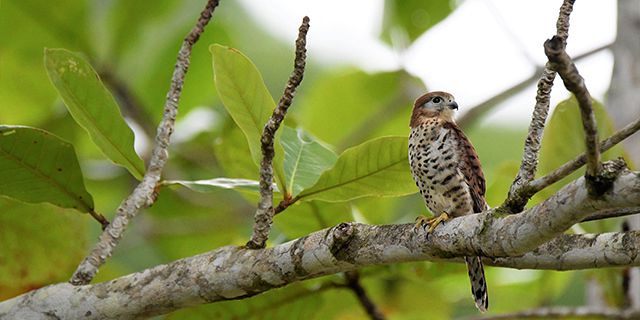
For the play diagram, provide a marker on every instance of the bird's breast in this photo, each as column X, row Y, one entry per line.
column 433, row 159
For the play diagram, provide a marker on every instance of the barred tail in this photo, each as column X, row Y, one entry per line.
column 478, row 282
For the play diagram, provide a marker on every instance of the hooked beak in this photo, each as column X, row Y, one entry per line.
column 453, row 105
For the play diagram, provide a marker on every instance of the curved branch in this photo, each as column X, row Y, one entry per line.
column 265, row 211
column 235, row 272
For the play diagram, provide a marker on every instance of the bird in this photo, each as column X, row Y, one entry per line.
column 447, row 171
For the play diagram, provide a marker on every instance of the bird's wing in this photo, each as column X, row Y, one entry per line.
column 469, row 165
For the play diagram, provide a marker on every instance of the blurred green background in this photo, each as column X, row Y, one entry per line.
column 133, row 46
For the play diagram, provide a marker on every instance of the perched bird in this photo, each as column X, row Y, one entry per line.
column 447, row 171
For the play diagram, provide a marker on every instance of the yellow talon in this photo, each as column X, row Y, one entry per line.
column 421, row 221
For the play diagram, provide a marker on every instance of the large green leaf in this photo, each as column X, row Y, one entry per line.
column 246, row 98
column 375, row 168
column 40, row 245
column 304, row 159
column 36, row 166
column 93, row 107
column 413, row 17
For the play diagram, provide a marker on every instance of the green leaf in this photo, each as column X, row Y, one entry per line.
column 246, row 98
column 375, row 168
column 304, row 159
column 216, row 184
column 413, row 17
column 36, row 166
column 41, row 244
column 93, row 107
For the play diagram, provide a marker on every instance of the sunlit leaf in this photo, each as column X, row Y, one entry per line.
column 93, row 107
column 304, row 159
column 36, row 166
column 375, row 168
column 246, row 98
column 216, row 184
column 40, row 244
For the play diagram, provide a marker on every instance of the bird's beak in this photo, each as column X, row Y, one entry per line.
column 453, row 105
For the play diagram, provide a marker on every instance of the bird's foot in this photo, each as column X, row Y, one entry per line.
column 422, row 221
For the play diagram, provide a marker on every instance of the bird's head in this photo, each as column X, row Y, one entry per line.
column 436, row 104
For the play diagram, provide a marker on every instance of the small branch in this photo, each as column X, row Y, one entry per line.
column 353, row 283
column 567, row 313
column 265, row 212
column 524, row 194
column 529, row 164
column 573, row 81
column 144, row 194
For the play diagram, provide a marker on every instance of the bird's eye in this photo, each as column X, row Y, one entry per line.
column 437, row 100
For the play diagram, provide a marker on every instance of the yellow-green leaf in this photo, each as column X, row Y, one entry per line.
column 246, row 98
column 93, row 107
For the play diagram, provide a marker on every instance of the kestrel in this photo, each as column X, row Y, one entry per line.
column 446, row 169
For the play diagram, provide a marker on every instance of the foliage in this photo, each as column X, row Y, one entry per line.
column 341, row 152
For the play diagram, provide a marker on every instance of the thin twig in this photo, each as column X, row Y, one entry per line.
column 567, row 313
column 475, row 113
column 145, row 193
column 529, row 164
column 265, row 212
column 524, row 194
column 560, row 61
column 353, row 283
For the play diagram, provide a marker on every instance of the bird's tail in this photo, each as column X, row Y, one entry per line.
column 478, row 282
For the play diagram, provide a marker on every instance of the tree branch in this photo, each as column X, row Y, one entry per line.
column 265, row 212
column 532, row 143
column 353, row 283
column 523, row 194
column 561, row 62
column 144, row 194
column 236, row 272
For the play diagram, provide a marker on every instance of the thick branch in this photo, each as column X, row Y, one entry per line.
column 236, row 272
column 144, row 194
column 573, row 81
column 264, row 212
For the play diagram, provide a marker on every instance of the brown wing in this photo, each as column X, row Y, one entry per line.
column 469, row 165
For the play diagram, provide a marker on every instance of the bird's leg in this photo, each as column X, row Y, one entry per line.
column 421, row 221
